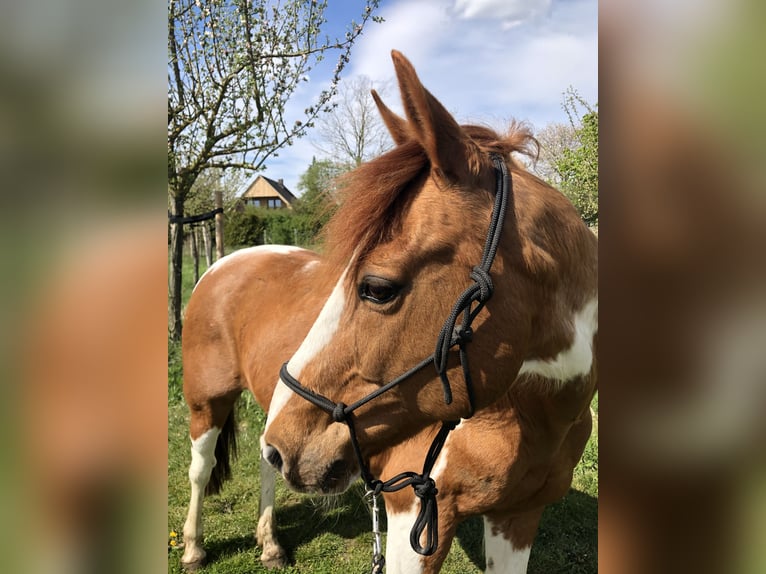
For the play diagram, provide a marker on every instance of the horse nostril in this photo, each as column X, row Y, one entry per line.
column 273, row 457
column 336, row 476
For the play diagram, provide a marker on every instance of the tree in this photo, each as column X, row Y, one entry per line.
column 201, row 199
column 553, row 139
column 318, row 185
column 352, row 132
column 233, row 65
column 201, row 195
column 578, row 168
column 569, row 155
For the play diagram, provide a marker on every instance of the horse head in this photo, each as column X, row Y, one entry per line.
column 405, row 246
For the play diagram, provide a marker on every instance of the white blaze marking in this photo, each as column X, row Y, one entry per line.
column 400, row 557
column 320, row 334
column 501, row 556
column 277, row 249
column 577, row 359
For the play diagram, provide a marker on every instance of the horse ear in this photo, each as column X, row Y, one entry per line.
column 397, row 126
column 450, row 151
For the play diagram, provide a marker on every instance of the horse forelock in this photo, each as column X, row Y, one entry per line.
column 372, row 203
column 375, row 197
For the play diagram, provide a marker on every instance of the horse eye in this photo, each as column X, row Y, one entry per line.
column 378, row 290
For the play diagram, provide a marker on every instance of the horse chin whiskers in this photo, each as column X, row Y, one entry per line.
column 336, row 481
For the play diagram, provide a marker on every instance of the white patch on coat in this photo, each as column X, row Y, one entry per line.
column 321, row 333
column 203, row 455
column 441, row 462
column 577, row 359
column 310, row 265
column 400, row 557
column 247, row 252
column 501, row 555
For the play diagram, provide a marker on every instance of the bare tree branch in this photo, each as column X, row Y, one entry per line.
column 352, row 131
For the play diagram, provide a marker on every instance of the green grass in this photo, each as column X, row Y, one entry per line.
column 332, row 536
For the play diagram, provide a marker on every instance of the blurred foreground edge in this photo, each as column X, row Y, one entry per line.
column 683, row 296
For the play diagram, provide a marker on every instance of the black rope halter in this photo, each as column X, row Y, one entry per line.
column 451, row 335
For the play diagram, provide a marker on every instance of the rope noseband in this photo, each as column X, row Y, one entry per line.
column 450, row 336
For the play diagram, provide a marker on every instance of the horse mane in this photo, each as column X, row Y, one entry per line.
column 374, row 197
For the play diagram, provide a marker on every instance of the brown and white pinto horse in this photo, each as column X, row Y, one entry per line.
column 399, row 252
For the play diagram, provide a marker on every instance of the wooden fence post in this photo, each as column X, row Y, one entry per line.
column 195, row 252
column 208, row 243
column 219, row 225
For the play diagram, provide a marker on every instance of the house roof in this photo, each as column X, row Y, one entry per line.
column 271, row 189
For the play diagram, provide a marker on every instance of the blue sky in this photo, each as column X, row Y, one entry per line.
column 487, row 61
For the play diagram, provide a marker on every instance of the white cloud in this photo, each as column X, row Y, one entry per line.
column 416, row 28
column 510, row 12
column 479, row 68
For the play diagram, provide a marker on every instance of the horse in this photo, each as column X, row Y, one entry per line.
column 494, row 480
column 398, row 250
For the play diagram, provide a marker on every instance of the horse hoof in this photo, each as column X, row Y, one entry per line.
column 275, row 559
column 193, row 566
column 193, row 560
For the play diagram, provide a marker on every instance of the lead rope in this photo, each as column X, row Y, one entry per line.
column 449, row 337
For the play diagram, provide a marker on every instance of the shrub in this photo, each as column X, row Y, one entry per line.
column 243, row 227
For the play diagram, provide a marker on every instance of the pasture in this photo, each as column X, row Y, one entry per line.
column 332, row 535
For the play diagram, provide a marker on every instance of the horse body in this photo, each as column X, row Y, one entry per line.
column 233, row 306
column 235, row 339
column 506, row 462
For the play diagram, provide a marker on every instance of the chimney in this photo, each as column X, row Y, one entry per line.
column 281, row 182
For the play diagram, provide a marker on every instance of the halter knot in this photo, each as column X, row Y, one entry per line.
column 463, row 336
column 426, row 489
column 427, row 521
column 339, row 413
column 484, row 281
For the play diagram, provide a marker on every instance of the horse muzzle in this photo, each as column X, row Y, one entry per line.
column 313, row 474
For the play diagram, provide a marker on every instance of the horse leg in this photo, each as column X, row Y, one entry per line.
column 400, row 557
column 206, row 426
column 508, row 540
column 433, row 564
column 272, row 555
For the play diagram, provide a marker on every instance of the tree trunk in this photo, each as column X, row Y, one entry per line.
column 176, row 266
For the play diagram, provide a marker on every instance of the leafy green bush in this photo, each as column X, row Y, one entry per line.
column 243, row 227
column 255, row 226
